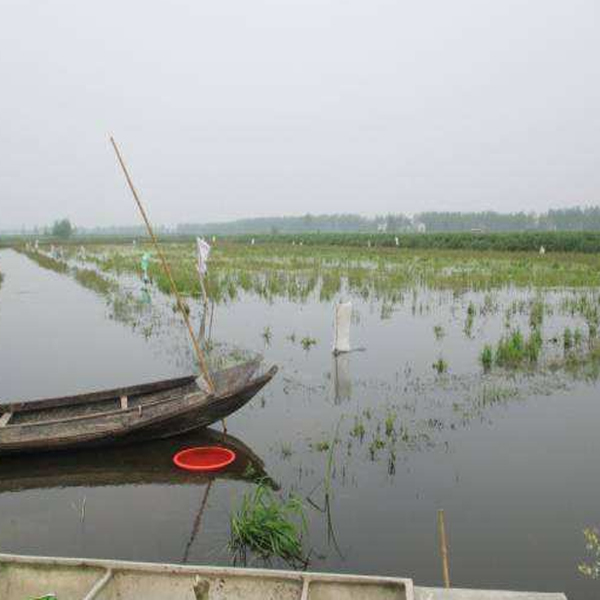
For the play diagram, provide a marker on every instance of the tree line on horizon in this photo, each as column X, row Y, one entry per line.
column 564, row 219
column 567, row 219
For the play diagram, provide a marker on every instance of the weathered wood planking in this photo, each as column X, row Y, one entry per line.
column 126, row 415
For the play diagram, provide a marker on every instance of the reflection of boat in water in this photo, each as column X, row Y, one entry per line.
column 79, row 579
column 149, row 463
column 132, row 414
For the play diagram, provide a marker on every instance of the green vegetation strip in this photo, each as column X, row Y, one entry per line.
column 297, row 272
column 552, row 241
column 86, row 277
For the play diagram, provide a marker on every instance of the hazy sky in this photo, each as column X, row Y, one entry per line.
column 234, row 108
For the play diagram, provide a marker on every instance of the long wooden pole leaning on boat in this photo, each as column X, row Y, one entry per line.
column 165, row 264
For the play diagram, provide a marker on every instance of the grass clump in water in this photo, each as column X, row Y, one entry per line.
column 440, row 366
column 390, row 424
column 470, row 319
column 487, row 357
column 358, row 431
column 514, row 350
column 269, row 527
column 308, row 342
column 322, row 446
column 567, row 339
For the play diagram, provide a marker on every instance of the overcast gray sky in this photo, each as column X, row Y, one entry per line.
column 235, row 108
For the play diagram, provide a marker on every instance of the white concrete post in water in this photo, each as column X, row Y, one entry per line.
column 341, row 334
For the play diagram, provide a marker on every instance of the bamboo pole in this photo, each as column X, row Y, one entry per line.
column 443, row 547
column 165, row 265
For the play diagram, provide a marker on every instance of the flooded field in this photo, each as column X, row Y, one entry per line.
column 474, row 388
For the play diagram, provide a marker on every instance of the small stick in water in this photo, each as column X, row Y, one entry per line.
column 443, row 547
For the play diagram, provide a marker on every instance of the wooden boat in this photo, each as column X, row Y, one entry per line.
column 149, row 463
column 81, row 579
column 125, row 415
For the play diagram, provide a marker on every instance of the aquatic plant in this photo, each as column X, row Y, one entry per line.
column 513, row 350
column 440, row 366
column 358, row 430
column 268, row 526
column 267, row 335
column 322, row 446
column 536, row 315
column 286, row 450
column 376, row 445
column 390, row 421
column 592, row 545
column 468, row 329
column 487, row 357
column 439, row 332
column 307, row 342
column 567, row 338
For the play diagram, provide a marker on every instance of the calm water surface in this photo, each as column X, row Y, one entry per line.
column 519, row 478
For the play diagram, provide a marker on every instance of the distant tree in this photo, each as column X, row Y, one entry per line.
column 62, row 229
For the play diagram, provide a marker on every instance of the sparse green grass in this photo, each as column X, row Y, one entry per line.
column 301, row 272
column 45, row 261
column 92, row 280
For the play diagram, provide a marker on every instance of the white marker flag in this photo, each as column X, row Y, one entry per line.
column 202, row 252
column 343, row 316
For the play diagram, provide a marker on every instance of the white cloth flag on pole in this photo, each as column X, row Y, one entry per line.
column 202, row 252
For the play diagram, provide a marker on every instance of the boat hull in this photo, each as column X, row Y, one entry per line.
column 127, row 415
column 26, row 577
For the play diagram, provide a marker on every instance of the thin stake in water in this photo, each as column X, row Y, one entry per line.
column 443, row 547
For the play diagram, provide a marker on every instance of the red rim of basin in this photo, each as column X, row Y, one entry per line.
column 204, row 458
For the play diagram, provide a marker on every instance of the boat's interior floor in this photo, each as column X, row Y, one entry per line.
column 100, row 406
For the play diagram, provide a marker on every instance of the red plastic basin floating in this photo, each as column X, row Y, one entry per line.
column 204, row 458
